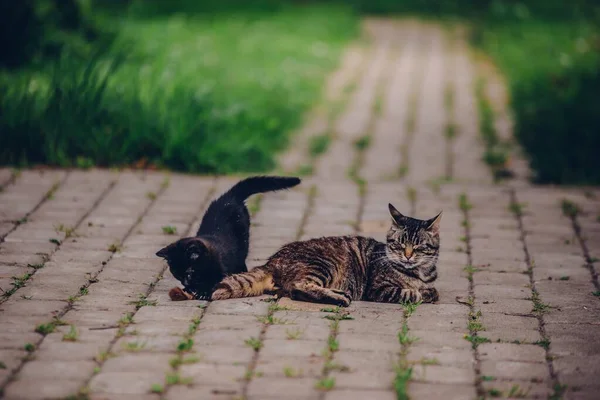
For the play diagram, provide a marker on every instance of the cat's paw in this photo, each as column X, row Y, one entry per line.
column 178, row 294
column 430, row 295
column 410, row 296
column 343, row 299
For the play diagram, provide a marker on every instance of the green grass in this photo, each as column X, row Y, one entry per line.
column 200, row 92
column 325, row 384
column 550, row 66
column 401, row 379
column 319, row 144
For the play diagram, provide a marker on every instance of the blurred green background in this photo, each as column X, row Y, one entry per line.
column 217, row 87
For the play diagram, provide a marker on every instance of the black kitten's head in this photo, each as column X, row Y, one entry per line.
column 413, row 242
column 195, row 264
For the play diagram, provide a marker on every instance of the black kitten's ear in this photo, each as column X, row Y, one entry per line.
column 164, row 252
column 396, row 215
column 433, row 224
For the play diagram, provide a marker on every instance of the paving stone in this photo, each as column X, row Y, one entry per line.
column 193, row 392
column 443, row 374
column 511, row 352
column 292, row 348
column 226, row 355
column 355, row 394
column 364, row 379
column 113, row 396
column 48, row 370
column 515, row 388
column 284, row 366
column 127, row 383
column 41, row 388
column 266, row 387
column 357, row 360
column 578, row 370
column 423, row 390
column 354, row 342
column 515, row 370
column 135, row 362
column 443, row 356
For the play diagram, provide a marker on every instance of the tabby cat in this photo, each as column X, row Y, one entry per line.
column 339, row 269
column 220, row 247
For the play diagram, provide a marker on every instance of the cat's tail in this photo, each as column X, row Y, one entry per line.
column 260, row 184
column 252, row 283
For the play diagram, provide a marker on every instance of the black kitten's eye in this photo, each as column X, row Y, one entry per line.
column 194, row 256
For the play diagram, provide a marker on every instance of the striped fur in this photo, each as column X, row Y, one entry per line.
column 339, row 269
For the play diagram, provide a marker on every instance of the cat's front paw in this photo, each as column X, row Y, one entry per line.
column 343, row 299
column 430, row 295
column 410, row 296
column 178, row 294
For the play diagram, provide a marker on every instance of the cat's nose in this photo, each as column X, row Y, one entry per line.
column 408, row 252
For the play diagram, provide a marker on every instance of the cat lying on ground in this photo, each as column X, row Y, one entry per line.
column 220, row 247
column 339, row 269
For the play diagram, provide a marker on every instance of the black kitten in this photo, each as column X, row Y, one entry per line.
column 220, row 247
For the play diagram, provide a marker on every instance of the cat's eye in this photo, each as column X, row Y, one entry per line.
column 402, row 245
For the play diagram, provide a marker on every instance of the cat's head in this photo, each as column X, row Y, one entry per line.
column 413, row 242
column 192, row 262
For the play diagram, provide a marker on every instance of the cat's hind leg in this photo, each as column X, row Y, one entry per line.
column 306, row 290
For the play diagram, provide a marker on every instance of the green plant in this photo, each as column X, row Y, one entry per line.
column 330, row 309
column 290, row 372
column 362, row 143
column 254, row 343
column 185, row 345
column 463, row 202
column 29, row 347
column 143, row 302
column 45, row 329
column 545, row 343
column 401, row 379
column 169, row 230
column 476, row 340
column 174, row 378
column 569, row 208
column 72, row 335
column 339, row 317
column 319, row 144
column 134, row 346
column 115, row 247
column 325, row 384
column 487, row 378
column 293, row 334
column 157, row 388
column 404, row 337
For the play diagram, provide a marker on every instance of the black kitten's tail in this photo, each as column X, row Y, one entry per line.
column 260, row 184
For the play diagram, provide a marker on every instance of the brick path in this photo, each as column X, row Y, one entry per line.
column 519, row 313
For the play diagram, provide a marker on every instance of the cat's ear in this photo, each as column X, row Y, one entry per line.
column 396, row 215
column 165, row 251
column 433, row 224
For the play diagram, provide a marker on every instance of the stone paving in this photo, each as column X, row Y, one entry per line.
column 84, row 309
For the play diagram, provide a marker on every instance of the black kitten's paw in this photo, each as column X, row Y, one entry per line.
column 178, row 294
